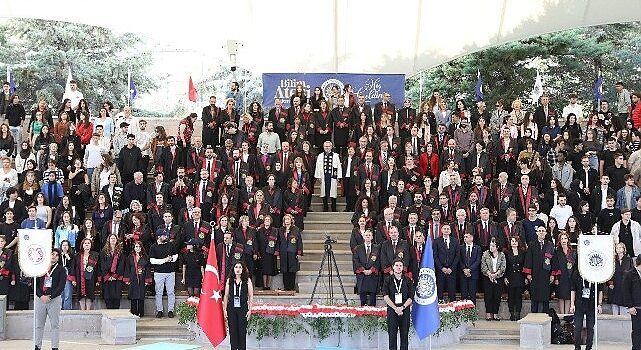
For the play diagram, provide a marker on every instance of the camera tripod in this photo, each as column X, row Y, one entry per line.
column 330, row 259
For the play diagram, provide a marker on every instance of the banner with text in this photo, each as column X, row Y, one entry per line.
column 372, row 86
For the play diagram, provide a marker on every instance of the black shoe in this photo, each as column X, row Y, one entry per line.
column 54, row 348
column 37, row 348
column 325, row 208
column 170, row 314
column 159, row 314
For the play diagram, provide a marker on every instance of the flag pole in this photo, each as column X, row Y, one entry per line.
column 34, row 312
column 129, row 86
column 596, row 314
column 430, row 342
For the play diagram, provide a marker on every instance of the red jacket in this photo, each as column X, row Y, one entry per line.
column 85, row 132
column 433, row 163
column 636, row 116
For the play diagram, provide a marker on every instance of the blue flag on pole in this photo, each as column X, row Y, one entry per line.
column 133, row 92
column 425, row 316
column 478, row 91
column 598, row 88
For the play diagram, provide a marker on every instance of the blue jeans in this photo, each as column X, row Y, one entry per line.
column 16, row 132
column 594, row 162
column 67, row 297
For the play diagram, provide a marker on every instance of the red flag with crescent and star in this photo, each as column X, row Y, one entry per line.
column 210, row 307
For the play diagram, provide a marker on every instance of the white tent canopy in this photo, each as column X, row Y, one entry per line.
column 380, row 36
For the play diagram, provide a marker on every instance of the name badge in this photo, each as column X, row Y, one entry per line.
column 48, row 281
column 585, row 293
column 398, row 298
column 236, row 301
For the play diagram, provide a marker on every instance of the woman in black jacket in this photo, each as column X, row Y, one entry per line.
column 514, row 278
column 622, row 264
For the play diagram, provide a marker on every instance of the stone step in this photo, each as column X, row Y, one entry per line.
column 311, row 267
column 321, row 216
column 323, row 288
column 319, row 244
column 334, row 225
column 321, row 233
column 161, row 329
column 318, row 207
column 503, row 339
column 316, row 255
column 494, row 328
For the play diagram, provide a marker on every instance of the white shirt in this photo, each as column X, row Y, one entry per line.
column 604, row 195
column 561, row 214
column 93, row 156
column 143, row 141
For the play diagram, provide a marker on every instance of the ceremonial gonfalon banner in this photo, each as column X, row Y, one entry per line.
column 34, row 251
column 372, row 86
column 596, row 257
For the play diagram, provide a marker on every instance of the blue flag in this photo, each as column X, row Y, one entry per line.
column 12, row 86
column 133, row 92
column 425, row 315
column 478, row 91
column 598, row 88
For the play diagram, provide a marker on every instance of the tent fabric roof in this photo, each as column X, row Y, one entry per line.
column 374, row 36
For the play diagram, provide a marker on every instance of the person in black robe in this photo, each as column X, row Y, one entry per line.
column 228, row 253
column 366, row 264
column 246, row 236
column 565, row 260
column 340, row 118
column 622, row 264
column 6, row 271
column 193, row 268
column 582, row 306
column 290, row 249
column 84, row 276
column 137, row 276
column 211, row 123
column 294, row 203
column 539, row 269
column 267, row 236
column 20, row 292
column 111, row 267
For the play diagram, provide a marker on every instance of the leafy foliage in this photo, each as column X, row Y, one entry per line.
column 39, row 53
column 568, row 62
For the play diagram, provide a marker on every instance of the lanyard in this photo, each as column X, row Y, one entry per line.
column 237, row 291
column 398, row 285
column 52, row 269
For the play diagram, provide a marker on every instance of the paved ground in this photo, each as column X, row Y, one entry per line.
column 89, row 345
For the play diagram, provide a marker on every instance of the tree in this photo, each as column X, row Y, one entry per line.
column 39, row 53
column 568, row 62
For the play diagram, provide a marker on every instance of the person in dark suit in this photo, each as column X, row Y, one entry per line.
column 199, row 230
column 461, row 226
column 392, row 249
column 446, row 261
column 204, row 192
column 599, row 192
column 383, row 228
column 398, row 292
column 211, row 123
column 470, row 267
column 485, row 229
column 157, row 187
column 417, row 248
column 350, row 177
column 385, row 107
column 539, row 269
column 406, row 117
column 278, row 116
column 510, row 228
column 170, row 159
column 525, row 194
column 514, row 278
column 359, row 108
column 588, row 178
column 632, row 299
column 544, row 112
column 501, row 197
column 290, row 250
column 366, row 264
column 582, row 302
column 228, row 254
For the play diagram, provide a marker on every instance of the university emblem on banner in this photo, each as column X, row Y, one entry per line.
column 326, row 87
column 426, row 286
column 596, row 257
column 34, row 251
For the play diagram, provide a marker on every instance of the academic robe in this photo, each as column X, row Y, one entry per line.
column 111, row 266
column 85, row 275
column 540, row 265
column 335, row 176
column 290, row 245
column 362, row 261
column 137, row 275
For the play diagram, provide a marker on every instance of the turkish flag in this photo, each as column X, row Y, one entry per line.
column 193, row 94
column 210, row 307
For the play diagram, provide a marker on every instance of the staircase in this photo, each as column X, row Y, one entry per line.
column 164, row 329
column 493, row 332
column 319, row 225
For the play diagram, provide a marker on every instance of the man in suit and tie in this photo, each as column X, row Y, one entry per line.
column 359, row 108
column 159, row 186
column 588, row 178
column 470, row 267
column 543, row 112
column 502, row 197
column 525, row 195
column 368, row 170
column 461, row 226
column 446, row 263
column 385, row 107
column 278, row 116
column 211, row 123
column 212, row 165
column 383, row 228
column 434, row 225
column 197, row 228
column 510, row 228
column 237, row 168
column 286, row 158
column 246, row 194
column 115, row 226
column 205, row 194
column 485, row 230
column 418, row 144
column 416, row 254
column 366, row 263
column 171, row 159
column 392, row 249
column 228, row 254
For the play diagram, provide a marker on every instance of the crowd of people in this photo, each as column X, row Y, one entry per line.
column 502, row 192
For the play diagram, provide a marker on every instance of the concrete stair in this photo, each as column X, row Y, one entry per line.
column 492, row 332
column 163, row 329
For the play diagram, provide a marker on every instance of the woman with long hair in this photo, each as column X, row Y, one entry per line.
column 365, row 209
column 274, row 200
column 60, row 130
column 356, row 238
column 85, row 274
column 66, row 107
column 158, row 144
column 316, row 98
column 290, row 250
column 493, row 266
column 84, row 129
column 44, row 211
column 267, row 236
column 565, row 260
column 88, row 231
column 79, row 190
column 225, row 209
column 369, row 191
column 113, row 191
column 100, row 176
column 238, row 300
column 29, row 187
column 105, row 120
column 301, row 176
column 83, row 108
column 294, row 203
column 573, row 230
column 137, row 276
column 138, row 231
column 102, row 212
column 246, row 236
column 66, row 231
column 514, row 278
column 257, row 210
column 622, row 265
column 7, row 145
column 24, row 154
column 112, row 266
column 67, row 259
column 66, row 205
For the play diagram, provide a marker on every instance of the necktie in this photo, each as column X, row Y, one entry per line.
column 460, row 227
column 411, row 232
column 285, row 161
column 541, row 246
column 237, row 172
column 203, row 188
column 195, row 226
column 50, row 192
column 447, row 243
column 436, row 230
column 209, row 166
column 367, row 250
column 394, row 245
column 469, row 252
column 228, row 248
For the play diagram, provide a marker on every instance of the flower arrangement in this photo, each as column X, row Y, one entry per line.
column 279, row 320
